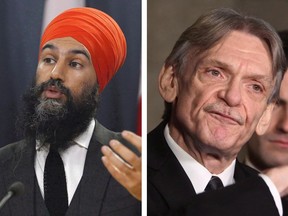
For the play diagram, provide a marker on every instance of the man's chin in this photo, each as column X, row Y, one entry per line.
column 55, row 100
column 56, row 119
column 50, row 105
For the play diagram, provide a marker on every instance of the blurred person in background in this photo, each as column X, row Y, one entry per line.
column 271, row 149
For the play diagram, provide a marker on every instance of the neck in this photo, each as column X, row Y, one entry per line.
column 214, row 160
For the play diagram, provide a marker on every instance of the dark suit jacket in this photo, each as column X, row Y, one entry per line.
column 170, row 191
column 97, row 193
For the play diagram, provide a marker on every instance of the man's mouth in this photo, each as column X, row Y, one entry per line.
column 52, row 92
column 280, row 141
column 224, row 118
column 224, row 114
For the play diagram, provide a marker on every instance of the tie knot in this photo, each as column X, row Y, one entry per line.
column 214, row 184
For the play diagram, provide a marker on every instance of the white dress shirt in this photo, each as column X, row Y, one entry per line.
column 200, row 181
column 73, row 160
column 191, row 166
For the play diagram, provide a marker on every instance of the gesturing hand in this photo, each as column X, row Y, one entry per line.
column 128, row 172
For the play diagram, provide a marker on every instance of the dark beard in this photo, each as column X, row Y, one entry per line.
column 52, row 121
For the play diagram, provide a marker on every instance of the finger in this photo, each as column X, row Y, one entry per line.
column 125, row 153
column 113, row 170
column 132, row 138
column 132, row 184
column 115, row 160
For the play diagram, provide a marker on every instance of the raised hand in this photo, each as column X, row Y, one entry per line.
column 128, row 171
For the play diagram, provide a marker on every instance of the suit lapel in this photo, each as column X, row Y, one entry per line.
column 166, row 166
column 95, row 178
column 176, row 182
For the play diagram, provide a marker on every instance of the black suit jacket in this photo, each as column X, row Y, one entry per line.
column 97, row 193
column 170, row 191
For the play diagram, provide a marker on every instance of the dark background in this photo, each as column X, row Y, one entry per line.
column 20, row 32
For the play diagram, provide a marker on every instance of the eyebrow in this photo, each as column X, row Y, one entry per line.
column 48, row 46
column 73, row 51
column 82, row 52
column 229, row 67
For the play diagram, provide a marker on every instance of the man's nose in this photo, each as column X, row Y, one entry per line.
column 58, row 72
column 231, row 93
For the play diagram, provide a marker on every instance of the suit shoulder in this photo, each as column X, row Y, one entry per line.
column 154, row 134
column 8, row 151
column 156, row 143
column 156, row 139
column 243, row 171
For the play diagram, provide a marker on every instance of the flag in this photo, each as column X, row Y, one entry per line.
column 139, row 110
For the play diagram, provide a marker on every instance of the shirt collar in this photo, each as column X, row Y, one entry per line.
column 191, row 166
column 82, row 140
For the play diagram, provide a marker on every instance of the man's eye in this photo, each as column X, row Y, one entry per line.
column 257, row 88
column 49, row 60
column 76, row 64
column 214, row 72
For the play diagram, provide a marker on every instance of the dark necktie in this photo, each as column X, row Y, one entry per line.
column 55, row 190
column 214, row 184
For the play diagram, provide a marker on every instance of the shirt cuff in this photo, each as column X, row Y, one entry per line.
column 274, row 192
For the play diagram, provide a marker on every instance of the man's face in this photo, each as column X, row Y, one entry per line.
column 220, row 103
column 271, row 149
column 69, row 61
column 64, row 100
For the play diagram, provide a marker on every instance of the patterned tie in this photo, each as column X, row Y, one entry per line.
column 55, row 190
column 214, row 184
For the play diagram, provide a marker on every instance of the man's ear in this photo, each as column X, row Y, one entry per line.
column 167, row 84
column 265, row 119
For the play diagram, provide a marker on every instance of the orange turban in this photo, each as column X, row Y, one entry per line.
column 98, row 32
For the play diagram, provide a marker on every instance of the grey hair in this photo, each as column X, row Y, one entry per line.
column 212, row 27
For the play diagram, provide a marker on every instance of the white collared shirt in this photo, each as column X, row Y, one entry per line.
column 73, row 160
column 199, row 181
column 191, row 166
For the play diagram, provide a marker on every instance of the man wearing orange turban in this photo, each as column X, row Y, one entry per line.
column 60, row 159
column 98, row 32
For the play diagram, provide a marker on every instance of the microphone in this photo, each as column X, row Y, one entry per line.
column 17, row 188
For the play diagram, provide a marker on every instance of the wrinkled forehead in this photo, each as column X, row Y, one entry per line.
column 246, row 47
column 234, row 49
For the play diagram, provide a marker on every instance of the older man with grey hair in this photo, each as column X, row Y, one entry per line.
column 220, row 84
